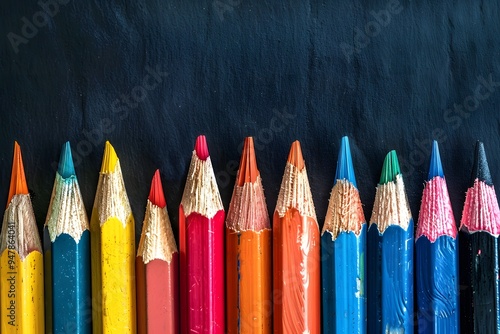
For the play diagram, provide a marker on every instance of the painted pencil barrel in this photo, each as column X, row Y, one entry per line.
column 156, row 282
column 390, row 272
column 203, row 297
column 22, row 303
column 71, row 284
column 479, row 304
column 437, row 285
column 343, row 282
column 249, row 298
column 113, row 283
column 297, row 276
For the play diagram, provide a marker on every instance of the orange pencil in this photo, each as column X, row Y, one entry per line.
column 248, row 251
column 296, row 252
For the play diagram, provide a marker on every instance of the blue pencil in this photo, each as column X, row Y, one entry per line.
column 436, row 251
column 67, row 249
column 343, row 252
column 390, row 255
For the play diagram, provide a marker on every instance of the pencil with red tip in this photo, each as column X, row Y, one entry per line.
column 248, row 252
column 201, row 248
column 296, row 253
column 157, row 266
column 479, row 252
column 436, row 252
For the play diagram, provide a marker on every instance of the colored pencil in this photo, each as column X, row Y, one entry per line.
column 248, row 251
column 296, row 252
column 436, row 252
column 112, row 242
column 390, row 255
column 343, row 252
column 201, row 247
column 479, row 248
column 67, row 253
column 157, row 266
column 21, row 260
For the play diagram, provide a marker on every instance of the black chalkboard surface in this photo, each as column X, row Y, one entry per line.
column 152, row 75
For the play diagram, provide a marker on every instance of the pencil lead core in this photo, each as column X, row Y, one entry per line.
column 66, row 167
column 295, row 156
column 18, row 183
column 435, row 168
column 481, row 170
column 201, row 147
column 109, row 160
column 248, row 165
column 390, row 168
column 345, row 169
column 156, row 195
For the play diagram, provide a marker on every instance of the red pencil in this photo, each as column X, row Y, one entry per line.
column 157, row 266
column 201, row 246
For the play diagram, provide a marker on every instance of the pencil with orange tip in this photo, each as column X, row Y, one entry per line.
column 296, row 252
column 157, row 266
column 201, row 247
column 248, row 251
column 21, row 260
column 112, row 244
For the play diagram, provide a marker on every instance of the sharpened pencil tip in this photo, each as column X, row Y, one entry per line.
column 345, row 169
column 248, row 165
column 295, row 156
column 481, row 170
column 109, row 160
column 156, row 195
column 201, row 148
column 390, row 168
column 18, row 183
column 435, row 167
column 66, row 167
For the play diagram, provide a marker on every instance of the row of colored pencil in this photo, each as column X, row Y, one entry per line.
column 236, row 274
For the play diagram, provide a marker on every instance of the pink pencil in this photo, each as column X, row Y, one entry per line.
column 201, row 246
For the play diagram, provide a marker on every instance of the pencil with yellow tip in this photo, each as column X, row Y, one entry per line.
column 112, row 244
column 21, row 260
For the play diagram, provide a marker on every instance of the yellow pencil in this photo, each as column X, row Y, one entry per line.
column 112, row 243
column 21, row 262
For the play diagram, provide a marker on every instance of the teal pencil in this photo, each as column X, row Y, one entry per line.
column 67, row 254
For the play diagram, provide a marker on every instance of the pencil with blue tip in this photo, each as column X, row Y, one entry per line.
column 343, row 243
column 67, row 252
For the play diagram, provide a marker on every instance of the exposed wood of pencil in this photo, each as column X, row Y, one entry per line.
column 112, row 252
column 67, row 253
column 157, row 268
column 343, row 253
column 390, row 255
column 479, row 252
column 248, row 252
column 201, row 248
column 296, row 287
column 21, row 260
column 436, row 251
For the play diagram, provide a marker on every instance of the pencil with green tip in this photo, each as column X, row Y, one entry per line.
column 390, row 255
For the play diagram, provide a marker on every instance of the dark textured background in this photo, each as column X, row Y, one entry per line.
column 233, row 66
